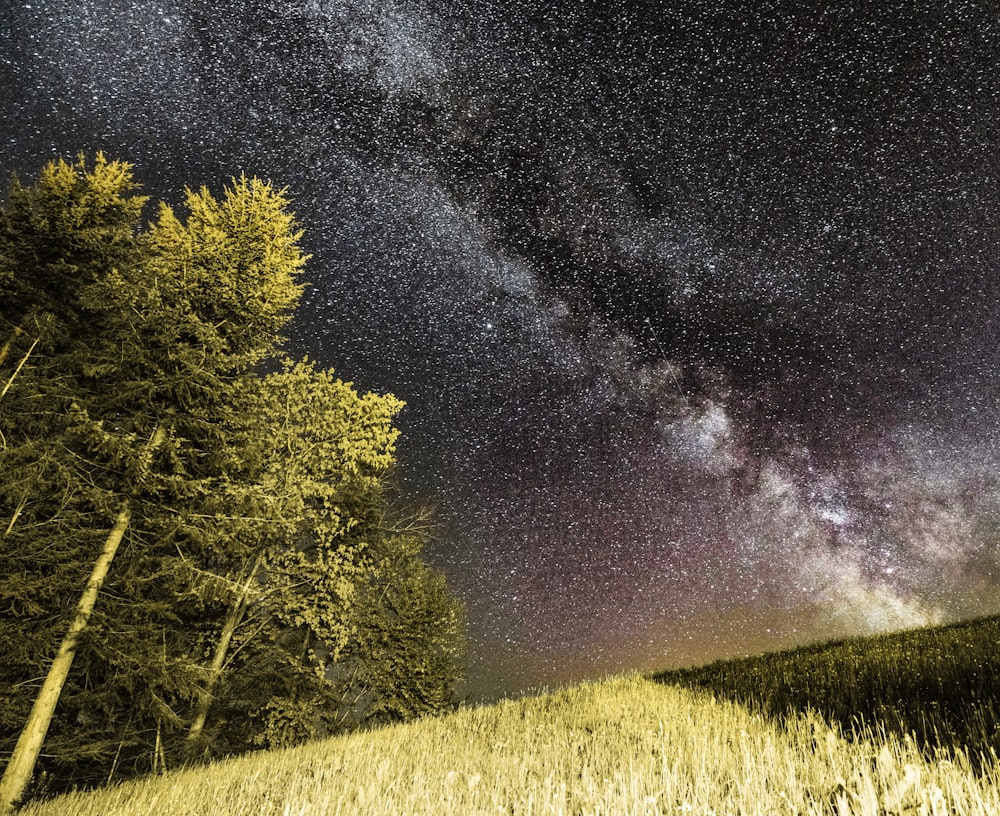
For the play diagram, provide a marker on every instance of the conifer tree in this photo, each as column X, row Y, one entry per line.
column 116, row 428
column 194, row 556
column 55, row 239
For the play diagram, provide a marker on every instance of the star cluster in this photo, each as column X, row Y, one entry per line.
column 693, row 304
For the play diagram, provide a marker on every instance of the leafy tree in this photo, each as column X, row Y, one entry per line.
column 311, row 493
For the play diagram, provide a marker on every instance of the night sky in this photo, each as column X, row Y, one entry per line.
column 693, row 304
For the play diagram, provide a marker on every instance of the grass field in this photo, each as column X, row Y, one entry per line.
column 942, row 684
column 632, row 745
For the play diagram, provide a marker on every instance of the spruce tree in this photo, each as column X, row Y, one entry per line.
column 113, row 435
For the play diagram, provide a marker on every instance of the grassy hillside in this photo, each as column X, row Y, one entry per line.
column 624, row 746
column 636, row 745
column 942, row 685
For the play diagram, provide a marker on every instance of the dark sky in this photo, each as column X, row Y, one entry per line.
column 693, row 304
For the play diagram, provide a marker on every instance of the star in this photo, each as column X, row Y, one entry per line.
column 693, row 312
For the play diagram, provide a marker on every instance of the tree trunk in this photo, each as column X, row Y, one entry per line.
column 22, row 762
column 233, row 620
column 16, row 515
column 18, row 331
column 17, row 370
column 29, row 744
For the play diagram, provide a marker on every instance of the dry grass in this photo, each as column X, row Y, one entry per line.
column 624, row 746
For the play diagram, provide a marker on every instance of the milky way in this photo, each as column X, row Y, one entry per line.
column 693, row 305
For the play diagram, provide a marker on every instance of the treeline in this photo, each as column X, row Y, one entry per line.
column 211, row 557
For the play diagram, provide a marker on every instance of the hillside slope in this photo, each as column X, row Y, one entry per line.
column 627, row 745
column 939, row 684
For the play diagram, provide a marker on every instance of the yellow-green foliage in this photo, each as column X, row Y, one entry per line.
column 623, row 746
column 236, row 258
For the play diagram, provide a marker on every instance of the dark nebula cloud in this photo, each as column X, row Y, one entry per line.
column 693, row 304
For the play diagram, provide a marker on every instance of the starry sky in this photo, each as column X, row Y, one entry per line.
column 693, row 303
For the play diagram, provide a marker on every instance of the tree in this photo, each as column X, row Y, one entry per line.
column 311, row 496
column 146, row 342
column 60, row 236
column 405, row 657
column 223, row 537
column 55, row 239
